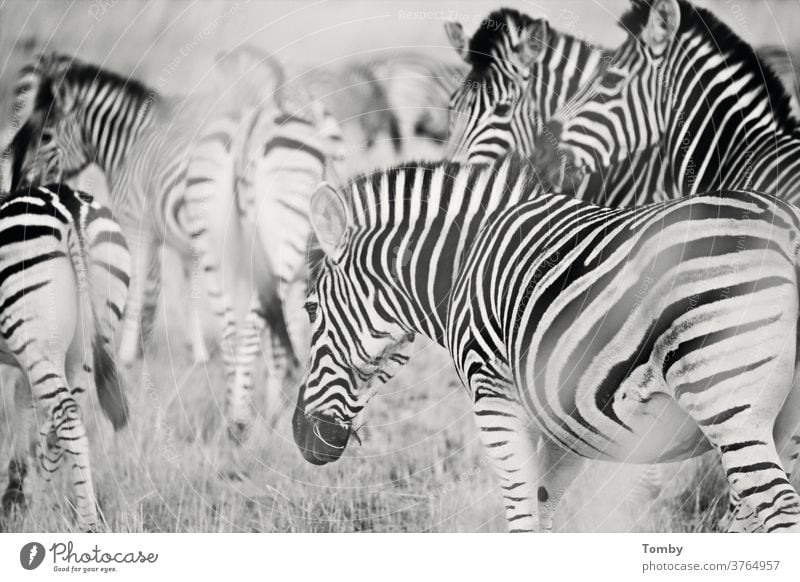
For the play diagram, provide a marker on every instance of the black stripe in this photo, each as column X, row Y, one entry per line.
column 295, row 145
column 20, row 294
column 740, row 445
column 723, row 416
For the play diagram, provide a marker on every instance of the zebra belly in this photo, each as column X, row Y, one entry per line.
column 656, row 429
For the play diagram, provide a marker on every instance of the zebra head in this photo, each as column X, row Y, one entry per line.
column 620, row 113
column 246, row 75
column 50, row 145
column 489, row 111
column 355, row 341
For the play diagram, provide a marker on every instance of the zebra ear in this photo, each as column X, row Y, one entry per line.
column 662, row 24
column 328, row 217
column 459, row 40
column 532, row 43
column 57, row 96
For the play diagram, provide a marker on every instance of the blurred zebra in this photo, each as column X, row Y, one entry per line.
column 257, row 171
column 621, row 334
column 81, row 114
column 417, row 86
column 354, row 97
column 64, row 272
column 398, row 95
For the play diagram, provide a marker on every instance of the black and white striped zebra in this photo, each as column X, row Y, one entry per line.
column 685, row 83
column 250, row 180
column 523, row 72
column 64, row 273
column 520, row 73
column 560, row 69
column 82, row 114
column 617, row 334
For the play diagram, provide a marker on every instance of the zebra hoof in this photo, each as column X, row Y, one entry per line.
column 13, row 500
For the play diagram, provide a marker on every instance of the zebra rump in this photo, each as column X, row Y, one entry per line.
column 101, row 251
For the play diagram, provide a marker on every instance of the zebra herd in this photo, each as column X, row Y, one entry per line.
column 609, row 254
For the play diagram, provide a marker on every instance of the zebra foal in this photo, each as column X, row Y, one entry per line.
column 539, row 300
column 64, row 272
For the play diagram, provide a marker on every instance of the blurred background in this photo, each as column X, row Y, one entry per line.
column 421, row 466
column 171, row 44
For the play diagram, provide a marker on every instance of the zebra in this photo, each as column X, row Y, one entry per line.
column 417, row 86
column 522, row 73
column 540, row 301
column 728, row 125
column 397, row 95
column 258, row 170
column 82, row 114
column 64, row 272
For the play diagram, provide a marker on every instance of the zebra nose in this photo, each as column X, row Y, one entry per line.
column 321, row 440
column 327, row 438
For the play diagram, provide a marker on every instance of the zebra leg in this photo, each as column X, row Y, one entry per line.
column 130, row 342
column 151, row 290
column 81, row 382
column 510, row 438
column 240, row 393
column 742, row 433
column 193, row 315
column 63, row 435
column 219, row 301
column 14, row 495
column 741, row 518
column 278, row 356
column 558, row 469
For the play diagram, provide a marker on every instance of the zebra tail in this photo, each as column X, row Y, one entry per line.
column 108, row 287
column 394, row 132
column 101, row 254
column 110, row 391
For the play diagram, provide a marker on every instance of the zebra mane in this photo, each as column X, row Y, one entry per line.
column 519, row 168
column 58, row 68
column 490, row 34
column 703, row 21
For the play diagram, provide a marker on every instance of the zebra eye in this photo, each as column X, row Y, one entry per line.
column 613, row 78
column 47, row 137
column 503, row 108
column 311, row 309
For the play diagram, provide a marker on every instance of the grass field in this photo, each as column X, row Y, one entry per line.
column 420, row 466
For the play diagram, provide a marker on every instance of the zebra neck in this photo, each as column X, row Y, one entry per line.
column 416, row 224
column 724, row 128
column 112, row 121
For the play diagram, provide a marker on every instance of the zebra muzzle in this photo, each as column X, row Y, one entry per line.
column 320, row 440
